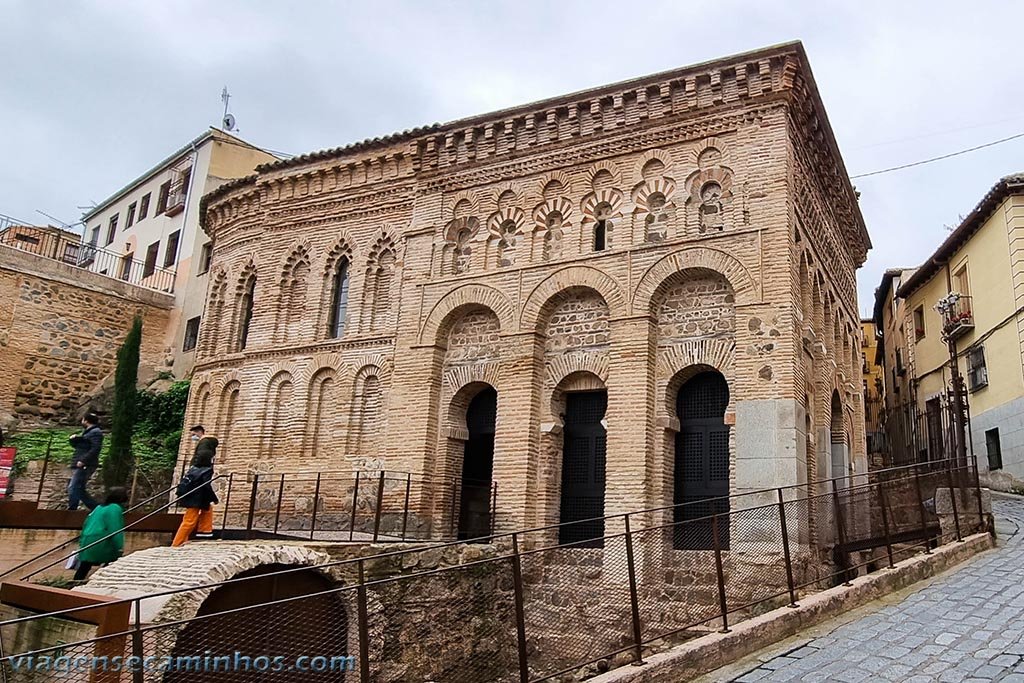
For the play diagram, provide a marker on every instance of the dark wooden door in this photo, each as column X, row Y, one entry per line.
column 264, row 643
column 478, row 466
column 583, row 469
column 701, row 462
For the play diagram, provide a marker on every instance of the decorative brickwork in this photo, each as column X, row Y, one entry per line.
column 618, row 240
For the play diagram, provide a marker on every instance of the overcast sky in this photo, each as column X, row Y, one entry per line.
column 94, row 93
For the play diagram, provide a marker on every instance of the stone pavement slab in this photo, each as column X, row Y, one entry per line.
column 966, row 625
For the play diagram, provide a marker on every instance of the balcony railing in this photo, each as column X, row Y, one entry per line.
column 176, row 199
column 957, row 314
column 60, row 247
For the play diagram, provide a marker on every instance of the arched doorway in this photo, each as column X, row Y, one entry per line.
column 701, row 462
column 583, row 468
column 315, row 626
column 478, row 466
column 840, row 466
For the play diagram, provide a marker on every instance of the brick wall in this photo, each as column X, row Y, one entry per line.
column 714, row 187
column 60, row 329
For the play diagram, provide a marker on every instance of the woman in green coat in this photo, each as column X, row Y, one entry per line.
column 103, row 521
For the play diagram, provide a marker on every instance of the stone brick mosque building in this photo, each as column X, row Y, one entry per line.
column 612, row 300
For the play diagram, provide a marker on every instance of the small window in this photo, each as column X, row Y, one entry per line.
column 900, row 369
column 129, row 220
column 22, row 237
column 111, row 229
column 977, row 373
column 603, row 216
column 171, row 254
column 339, row 301
column 151, row 254
column 94, row 239
column 919, row 323
column 247, row 306
column 600, row 235
column 961, row 281
column 191, row 334
column 161, row 201
column 205, row 257
column 144, row 205
column 995, row 450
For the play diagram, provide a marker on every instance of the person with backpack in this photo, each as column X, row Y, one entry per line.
column 196, row 494
column 104, row 520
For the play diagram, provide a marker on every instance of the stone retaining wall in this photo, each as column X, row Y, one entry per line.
column 60, row 329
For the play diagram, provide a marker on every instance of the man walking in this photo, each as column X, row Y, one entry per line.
column 85, row 460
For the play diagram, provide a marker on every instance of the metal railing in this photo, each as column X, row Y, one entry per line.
column 61, row 247
column 957, row 316
column 539, row 609
column 46, row 483
column 376, row 506
column 365, row 505
column 142, row 505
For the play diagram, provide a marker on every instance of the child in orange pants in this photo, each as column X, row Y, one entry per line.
column 196, row 495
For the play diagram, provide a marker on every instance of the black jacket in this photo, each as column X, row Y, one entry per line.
column 87, row 447
column 196, row 489
column 206, row 446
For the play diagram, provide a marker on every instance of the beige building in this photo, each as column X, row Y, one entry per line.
column 978, row 271
column 148, row 232
column 630, row 296
column 893, row 356
column 874, row 385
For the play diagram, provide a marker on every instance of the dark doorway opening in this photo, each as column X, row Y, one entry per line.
column 701, row 463
column 478, row 466
column 313, row 626
column 583, row 469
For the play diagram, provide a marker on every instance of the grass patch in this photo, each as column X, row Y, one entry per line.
column 154, row 440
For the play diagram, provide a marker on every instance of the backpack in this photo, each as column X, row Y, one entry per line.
column 186, row 485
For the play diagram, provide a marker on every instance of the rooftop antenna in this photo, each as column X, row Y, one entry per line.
column 227, row 123
column 66, row 226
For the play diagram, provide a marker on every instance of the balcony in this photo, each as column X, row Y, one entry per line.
column 176, row 199
column 957, row 314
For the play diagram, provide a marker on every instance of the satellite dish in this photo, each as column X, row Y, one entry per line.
column 229, row 122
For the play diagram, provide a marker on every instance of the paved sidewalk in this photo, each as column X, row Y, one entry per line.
column 965, row 626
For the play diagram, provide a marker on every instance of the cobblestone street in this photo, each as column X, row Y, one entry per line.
column 965, row 626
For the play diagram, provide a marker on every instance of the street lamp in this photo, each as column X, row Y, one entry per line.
column 947, row 307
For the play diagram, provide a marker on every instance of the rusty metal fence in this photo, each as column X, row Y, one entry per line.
column 528, row 608
column 364, row 505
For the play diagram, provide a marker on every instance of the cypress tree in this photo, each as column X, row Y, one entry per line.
column 118, row 464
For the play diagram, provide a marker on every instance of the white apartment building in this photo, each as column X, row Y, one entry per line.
column 148, row 231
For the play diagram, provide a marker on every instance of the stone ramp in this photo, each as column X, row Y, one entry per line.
column 965, row 625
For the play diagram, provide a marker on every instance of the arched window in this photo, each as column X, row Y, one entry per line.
column 339, row 300
column 245, row 307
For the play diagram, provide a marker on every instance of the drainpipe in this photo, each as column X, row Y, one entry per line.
column 188, row 198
